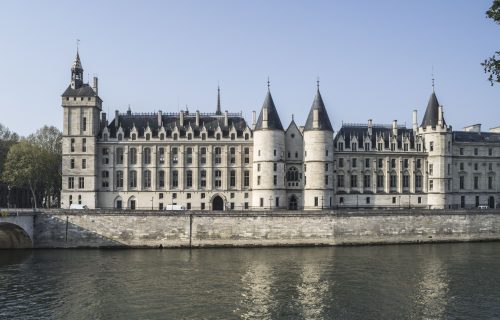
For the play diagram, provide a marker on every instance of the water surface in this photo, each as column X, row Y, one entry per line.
column 441, row 281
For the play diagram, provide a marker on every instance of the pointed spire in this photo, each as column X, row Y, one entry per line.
column 271, row 117
column 218, row 112
column 431, row 115
column 76, row 72
column 318, row 116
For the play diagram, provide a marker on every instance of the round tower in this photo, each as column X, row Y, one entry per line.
column 268, row 183
column 318, row 157
column 438, row 144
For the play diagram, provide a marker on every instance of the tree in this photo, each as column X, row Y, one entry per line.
column 24, row 167
column 49, row 139
column 492, row 64
column 7, row 139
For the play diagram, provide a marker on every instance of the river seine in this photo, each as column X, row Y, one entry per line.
column 439, row 281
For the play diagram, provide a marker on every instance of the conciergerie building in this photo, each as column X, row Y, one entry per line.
column 218, row 161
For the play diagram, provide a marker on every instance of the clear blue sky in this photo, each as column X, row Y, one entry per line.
column 374, row 58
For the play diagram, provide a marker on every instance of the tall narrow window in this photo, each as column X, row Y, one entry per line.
column 147, row 155
column 132, row 178
column 189, row 155
column 119, row 155
column 161, row 179
column 189, row 179
column 72, row 145
column 203, row 156
column 203, row 178
column 119, row 179
column 232, row 179
column 246, row 179
column 175, row 179
column 84, row 145
column 84, row 124
column 218, row 155
column 105, row 179
column 247, row 155
column 147, row 179
column 218, row 178
column 133, row 155
column 232, row 152
column 161, row 155
column 175, row 155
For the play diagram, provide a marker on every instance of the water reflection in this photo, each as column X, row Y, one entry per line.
column 257, row 301
column 312, row 292
column 12, row 257
column 432, row 290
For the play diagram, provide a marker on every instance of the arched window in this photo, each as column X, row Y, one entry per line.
column 247, row 136
column 293, row 176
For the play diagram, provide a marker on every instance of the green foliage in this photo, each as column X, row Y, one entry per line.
column 7, row 140
column 35, row 163
column 492, row 65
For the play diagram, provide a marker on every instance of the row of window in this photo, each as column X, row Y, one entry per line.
column 476, row 166
column 380, row 163
column 175, row 136
column 174, row 182
column 71, row 183
column 367, row 179
column 380, row 146
column 476, row 151
column 476, row 182
column 175, row 151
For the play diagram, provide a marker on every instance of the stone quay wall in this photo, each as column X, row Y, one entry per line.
column 95, row 228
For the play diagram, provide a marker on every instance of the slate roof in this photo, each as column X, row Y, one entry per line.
column 323, row 119
column 273, row 119
column 432, row 112
column 84, row 91
column 469, row 136
column 361, row 131
column 170, row 121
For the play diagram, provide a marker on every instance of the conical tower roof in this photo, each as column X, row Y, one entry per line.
column 77, row 64
column 273, row 119
column 432, row 112
column 323, row 119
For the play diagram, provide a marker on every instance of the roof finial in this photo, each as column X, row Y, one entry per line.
column 432, row 78
column 218, row 100
column 292, row 116
column 317, row 82
column 268, row 83
column 77, row 45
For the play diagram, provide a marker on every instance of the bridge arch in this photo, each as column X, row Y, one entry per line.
column 12, row 236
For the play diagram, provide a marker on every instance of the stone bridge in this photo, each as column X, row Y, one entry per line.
column 16, row 230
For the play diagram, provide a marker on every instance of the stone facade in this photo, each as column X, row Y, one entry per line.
column 216, row 161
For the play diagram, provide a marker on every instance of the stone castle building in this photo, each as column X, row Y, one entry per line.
column 217, row 161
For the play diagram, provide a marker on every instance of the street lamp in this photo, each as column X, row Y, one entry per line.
column 270, row 201
column 321, row 202
column 8, row 197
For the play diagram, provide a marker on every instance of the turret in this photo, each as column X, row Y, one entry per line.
column 268, row 159
column 438, row 145
column 318, row 157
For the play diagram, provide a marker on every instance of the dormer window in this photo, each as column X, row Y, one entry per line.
column 393, row 146
column 105, row 137
column 367, row 146
column 233, row 136
column 134, row 136
column 247, row 136
column 120, row 137
column 148, row 136
column 175, row 136
column 162, row 136
column 189, row 136
column 217, row 136
column 203, row 136
column 340, row 146
column 354, row 146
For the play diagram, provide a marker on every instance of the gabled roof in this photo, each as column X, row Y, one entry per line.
column 469, row 136
column 323, row 119
column 432, row 112
column 273, row 119
column 84, row 91
column 77, row 64
column 385, row 131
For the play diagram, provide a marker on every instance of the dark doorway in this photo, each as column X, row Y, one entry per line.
column 292, row 203
column 217, row 204
column 132, row 204
column 491, row 202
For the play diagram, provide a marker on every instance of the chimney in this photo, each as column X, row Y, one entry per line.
column 103, row 117
column 440, row 116
column 181, row 118
column 370, row 126
column 197, row 118
column 254, row 118
column 95, row 86
column 395, row 127
column 226, row 120
column 315, row 119
column 117, row 114
column 159, row 118
column 414, row 122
